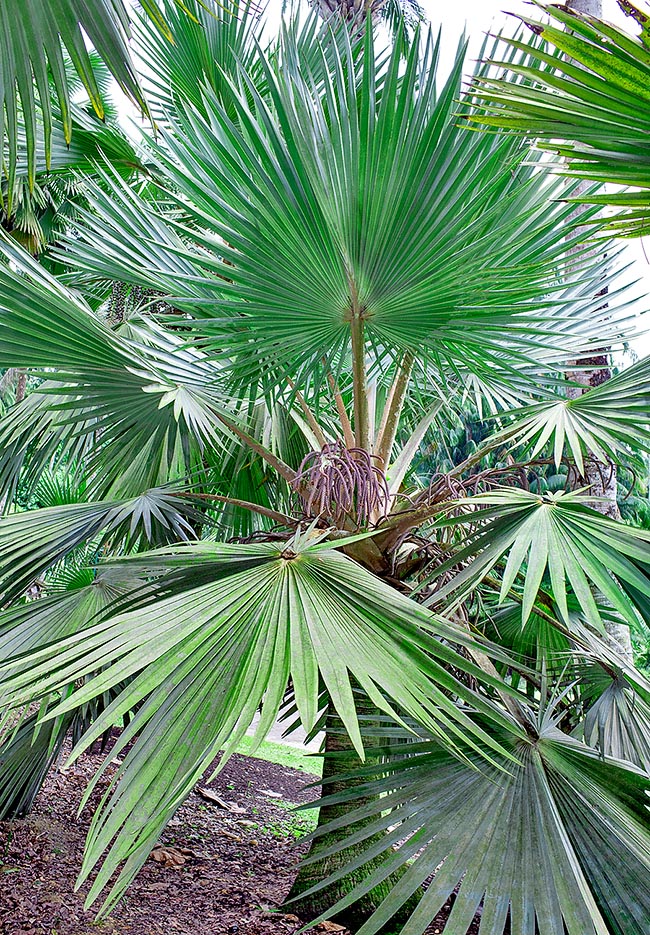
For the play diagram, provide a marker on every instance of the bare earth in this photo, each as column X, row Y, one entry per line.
column 217, row 871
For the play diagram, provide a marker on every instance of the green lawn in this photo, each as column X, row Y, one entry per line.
column 283, row 754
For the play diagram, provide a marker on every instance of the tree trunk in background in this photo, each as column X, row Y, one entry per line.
column 600, row 476
column 21, row 386
column 591, row 7
column 14, row 379
column 310, row 907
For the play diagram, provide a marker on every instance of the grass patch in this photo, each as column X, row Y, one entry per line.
column 283, row 754
column 295, row 824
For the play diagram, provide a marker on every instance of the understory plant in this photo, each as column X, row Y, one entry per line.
column 321, row 270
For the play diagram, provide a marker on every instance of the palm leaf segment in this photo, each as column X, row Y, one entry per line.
column 560, row 846
column 228, row 627
column 595, row 96
column 556, row 534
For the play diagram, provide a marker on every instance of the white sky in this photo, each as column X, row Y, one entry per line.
column 478, row 17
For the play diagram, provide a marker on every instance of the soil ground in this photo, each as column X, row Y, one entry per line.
column 217, row 872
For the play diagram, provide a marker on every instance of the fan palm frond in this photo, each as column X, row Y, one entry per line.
column 561, row 846
column 556, row 534
column 219, row 636
column 588, row 102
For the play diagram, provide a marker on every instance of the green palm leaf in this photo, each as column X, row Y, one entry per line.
column 43, row 325
column 605, row 421
column 305, row 207
column 37, row 539
column 555, row 534
column 594, row 96
column 219, row 637
column 157, row 405
column 560, row 845
column 31, row 625
column 322, row 226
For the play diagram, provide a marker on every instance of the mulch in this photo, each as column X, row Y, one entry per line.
column 215, row 871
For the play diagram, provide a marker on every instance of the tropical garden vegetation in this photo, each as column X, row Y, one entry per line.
column 243, row 481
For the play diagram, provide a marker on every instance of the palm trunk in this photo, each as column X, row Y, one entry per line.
column 601, row 478
column 591, row 7
column 15, row 379
column 21, row 386
column 311, row 906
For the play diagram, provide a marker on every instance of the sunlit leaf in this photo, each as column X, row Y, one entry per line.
column 588, row 105
column 219, row 637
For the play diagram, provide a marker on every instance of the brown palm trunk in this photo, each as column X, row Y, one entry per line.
column 21, row 386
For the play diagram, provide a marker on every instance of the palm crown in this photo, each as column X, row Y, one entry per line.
column 323, row 263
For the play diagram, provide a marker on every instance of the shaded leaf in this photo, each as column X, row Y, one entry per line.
column 560, row 844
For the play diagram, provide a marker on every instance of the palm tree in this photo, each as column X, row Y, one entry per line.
column 327, row 264
column 400, row 15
